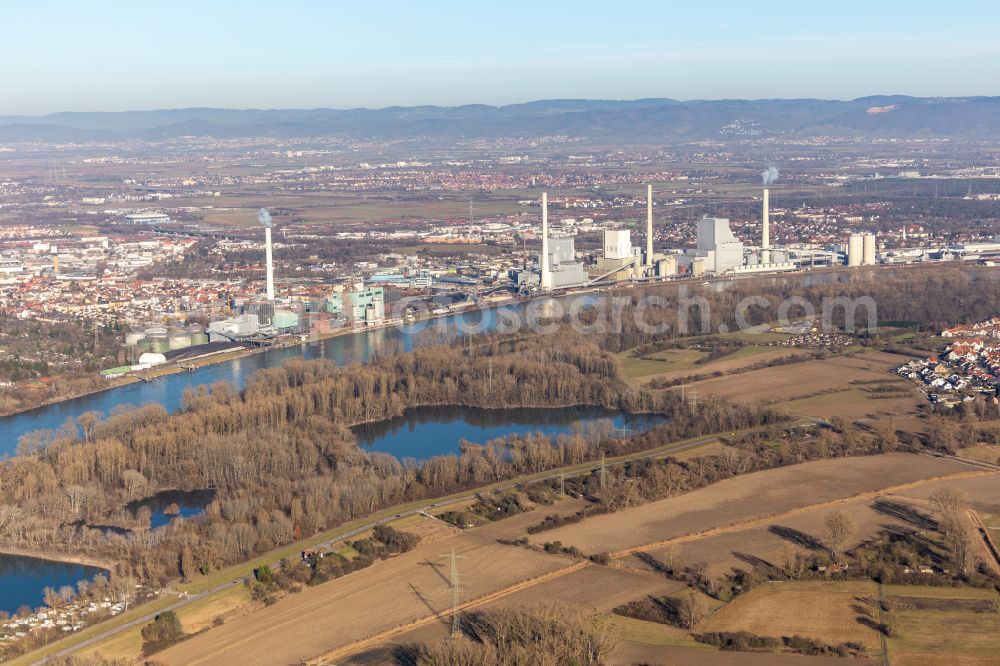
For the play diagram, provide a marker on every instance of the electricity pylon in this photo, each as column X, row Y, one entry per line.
column 455, row 582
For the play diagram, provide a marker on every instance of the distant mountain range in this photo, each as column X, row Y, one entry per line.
column 632, row 121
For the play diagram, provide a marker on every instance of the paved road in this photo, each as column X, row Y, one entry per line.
column 187, row 599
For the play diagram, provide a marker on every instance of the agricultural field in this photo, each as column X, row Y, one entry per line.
column 825, row 611
column 982, row 452
column 739, row 502
column 660, row 363
column 938, row 625
column 773, row 543
column 838, row 386
column 594, row 588
column 751, row 355
column 332, row 209
column 413, row 588
column 828, row 612
column 407, row 588
column 983, row 492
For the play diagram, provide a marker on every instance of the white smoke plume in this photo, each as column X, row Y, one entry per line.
column 770, row 175
column 264, row 217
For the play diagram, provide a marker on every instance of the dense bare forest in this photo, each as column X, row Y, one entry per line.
column 283, row 460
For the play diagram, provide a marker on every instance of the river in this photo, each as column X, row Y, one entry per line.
column 168, row 390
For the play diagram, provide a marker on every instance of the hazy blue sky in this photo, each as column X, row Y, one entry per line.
column 146, row 54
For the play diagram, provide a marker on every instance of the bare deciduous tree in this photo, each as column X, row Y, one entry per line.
column 839, row 531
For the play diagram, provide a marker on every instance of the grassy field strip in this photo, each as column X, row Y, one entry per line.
column 931, row 592
column 764, row 520
column 375, row 639
column 222, row 580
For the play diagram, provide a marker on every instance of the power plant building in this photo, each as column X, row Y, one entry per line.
column 366, row 304
column 617, row 244
column 556, row 266
column 718, row 249
column 242, row 326
column 564, row 270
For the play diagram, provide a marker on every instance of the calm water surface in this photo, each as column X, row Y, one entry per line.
column 424, row 432
column 22, row 579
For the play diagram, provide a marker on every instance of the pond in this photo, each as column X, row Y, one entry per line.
column 22, row 579
column 425, row 432
column 169, row 504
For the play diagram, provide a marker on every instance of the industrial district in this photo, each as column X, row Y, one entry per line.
column 224, row 316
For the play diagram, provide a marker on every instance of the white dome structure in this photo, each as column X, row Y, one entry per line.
column 152, row 358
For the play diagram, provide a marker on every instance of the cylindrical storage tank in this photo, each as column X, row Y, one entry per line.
column 132, row 339
column 158, row 345
column 143, row 345
column 179, row 340
column 855, row 249
column 156, row 332
column 868, row 251
column 698, row 267
column 199, row 338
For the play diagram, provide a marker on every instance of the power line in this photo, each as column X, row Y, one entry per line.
column 693, row 400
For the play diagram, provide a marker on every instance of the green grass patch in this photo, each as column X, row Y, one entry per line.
column 947, row 632
column 657, row 363
column 981, row 452
column 934, row 592
column 642, row 632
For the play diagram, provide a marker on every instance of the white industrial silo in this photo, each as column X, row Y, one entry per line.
column 868, row 250
column 855, row 249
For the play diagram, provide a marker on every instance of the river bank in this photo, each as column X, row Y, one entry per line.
column 58, row 557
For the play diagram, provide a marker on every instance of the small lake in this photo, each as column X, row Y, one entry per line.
column 425, row 432
column 22, row 579
column 170, row 504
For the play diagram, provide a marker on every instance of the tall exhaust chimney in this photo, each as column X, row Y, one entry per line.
column 649, row 225
column 546, row 277
column 270, row 263
column 765, row 234
column 265, row 220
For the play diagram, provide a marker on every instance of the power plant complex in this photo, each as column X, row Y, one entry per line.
column 717, row 251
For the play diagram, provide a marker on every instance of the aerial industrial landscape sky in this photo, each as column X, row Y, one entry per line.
column 117, row 56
